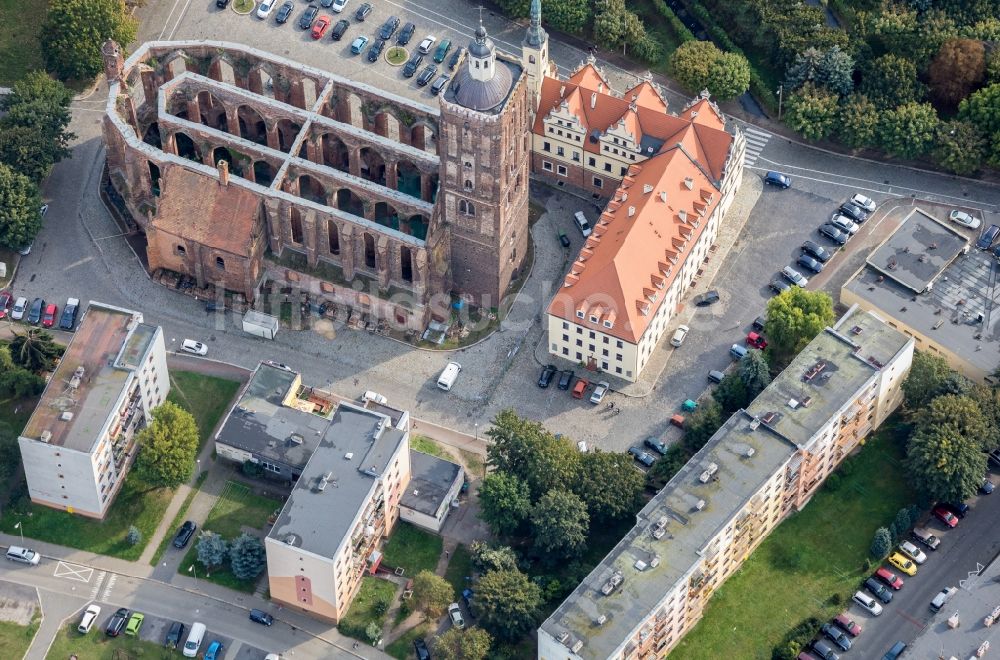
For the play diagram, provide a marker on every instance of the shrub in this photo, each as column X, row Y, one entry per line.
column 680, row 30
column 881, row 543
column 833, row 482
column 134, row 535
column 795, row 640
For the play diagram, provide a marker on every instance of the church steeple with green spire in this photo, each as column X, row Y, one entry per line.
column 535, row 55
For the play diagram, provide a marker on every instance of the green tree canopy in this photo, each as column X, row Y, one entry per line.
column 857, row 122
column 755, row 373
column 246, row 557
column 559, row 523
column 486, row 557
column 20, row 220
column 794, row 318
column 505, row 502
column 507, row 604
column 525, row 449
column 959, row 413
column 832, row 69
column 33, row 134
column 890, row 80
column 456, row 644
column 168, row 446
column 944, row 464
column 812, row 112
column 667, row 466
column 432, row 593
column 731, row 395
column 988, row 401
column 881, row 543
column 924, row 380
column 74, row 31
column 982, row 109
column 706, row 420
column 699, row 65
column 909, row 130
column 960, row 147
column 613, row 487
column 34, row 350
column 211, row 550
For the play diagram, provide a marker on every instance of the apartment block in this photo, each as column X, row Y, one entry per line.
column 80, row 441
column 765, row 463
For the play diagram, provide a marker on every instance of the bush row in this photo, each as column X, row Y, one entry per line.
column 680, row 30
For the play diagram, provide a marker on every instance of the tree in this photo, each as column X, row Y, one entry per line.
column 432, row 593
column 504, row 501
column 731, row 395
column 669, row 464
column 959, row 68
column 908, row 131
column 507, row 603
column 168, row 447
column 857, row 122
column 559, row 524
column 34, row 350
column 486, row 557
column 211, row 550
column 890, row 80
column 794, row 318
column 33, row 134
column 613, row 487
column 982, row 109
column 20, row 220
column 373, row 632
column 699, row 65
column 988, row 401
column 455, row 644
column 902, row 523
column 526, row 450
column 957, row 412
column 19, row 382
column 803, row 69
column 811, row 112
column 960, row 147
column 74, row 31
column 134, row 536
column 944, row 464
column 923, row 382
column 832, row 69
column 617, row 27
column 881, row 544
column 706, row 420
column 755, row 373
column 566, row 15
column 247, row 558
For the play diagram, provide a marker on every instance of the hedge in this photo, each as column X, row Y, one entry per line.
column 680, row 30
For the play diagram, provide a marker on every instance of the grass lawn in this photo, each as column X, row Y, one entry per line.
column 413, row 549
column 365, row 607
column 235, row 509
column 20, row 27
column 176, row 522
column 475, row 462
column 809, row 564
column 15, row 639
column 206, row 397
column 98, row 646
column 459, row 567
column 402, row 648
column 424, row 444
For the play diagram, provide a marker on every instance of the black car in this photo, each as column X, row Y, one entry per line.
column 440, row 83
column 563, row 239
column 565, row 378
column 117, row 622
column 758, row 323
column 837, row 636
column 420, row 648
column 548, row 373
column 427, row 75
column 453, row 62
column 35, row 313
column 777, row 179
column 960, row 509
column 375, row 49
column 833, row 232
column 325, row 3
column 809, row 263
column 706, row 299
column 658, row 446
column 308, row 16
column 817, row 251
column 879, row 590
column 986, row 239
column 641, row 455
column 339, row 29
column 68, row 318
column 221, row 4
column 284, row 13
column 174, row 635
column 261, row 617
column 412, row 65
column 362, row 13
column 778, row 285
column 854, row 212
column 404, row 37
column 184, row 534
column 388, row 28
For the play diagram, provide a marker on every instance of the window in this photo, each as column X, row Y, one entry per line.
column 624, row 170
column 531, row 59
column 618, row 357
column 565, row 351
column 180, row 250
column 618, row 344
column 604, row 365
column 547, row 166
column 566, row 338
column 604, row 353
column 579, row 342
column 606, row 339
column 579, row 356
column 562, row 170
column 592, row 335
column 220, row 263
column 593, row 319
column 576, row 156
column 607, row 167
column 592, row 161
column 579, row 313
column 560, row 151
column 607, row 324
column 598, row 182
column 618, row 370
column 468, row 184
column 546, row 146
column 565, row 325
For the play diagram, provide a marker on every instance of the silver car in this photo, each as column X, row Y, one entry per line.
column 794, row 276
column 844, row 223
column 964, row 219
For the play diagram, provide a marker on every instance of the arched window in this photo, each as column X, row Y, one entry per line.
column 180, row 250
column 468, row 184
column 220, row 263
column 463, row 206
column 471, row 209
column 531, row 59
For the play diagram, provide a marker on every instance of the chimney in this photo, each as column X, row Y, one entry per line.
column 593, row 100
column 223, row 172
column 562, row 91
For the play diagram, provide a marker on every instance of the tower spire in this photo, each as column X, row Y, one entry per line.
column 536, row 34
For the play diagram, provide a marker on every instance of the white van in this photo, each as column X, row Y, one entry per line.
column 23, row 555
column 193, row 642
column 449, row 376
column 581, row 223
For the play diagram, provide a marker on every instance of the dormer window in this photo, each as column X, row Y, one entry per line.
column 608, row 324
column 594, row 319
column 579, row 314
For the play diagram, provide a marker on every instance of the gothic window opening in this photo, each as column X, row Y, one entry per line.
column 406, row 263
column 369, row 251
column 296, row 222
column 181, row 250
column 220, row 263
column 333, row 238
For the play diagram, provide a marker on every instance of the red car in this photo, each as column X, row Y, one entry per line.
column 6, row 300
column 320, row 27
column 945, row 516
column 49, row 316
column 848, row 624
column 889, row 578
column 755, row 340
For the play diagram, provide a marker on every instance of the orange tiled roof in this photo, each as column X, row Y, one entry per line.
column 639, row 244
column 648, row 96
column 199, row 208
column 588, row 76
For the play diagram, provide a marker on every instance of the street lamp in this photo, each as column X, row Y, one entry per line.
column 17, row 526
column 477, row 431
column 191, row 570
column 781, row 90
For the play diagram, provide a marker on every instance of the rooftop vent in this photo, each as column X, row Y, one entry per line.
column 576, row 647
column 66, row 416
column 806, row 400
column 639, row 565
column 655, row 561
column 754, row 423
column 770, row 416
column 296, row 439
column 647, row 188
column 815, row 370
column 663, row 196
column 601, row 620
column 349, row 455
column 658, row 529
column 595, row 135
column 45, row 435
column 793, row 404
column 563, row 638
column 631, row 211
column 750, row 451
column 613, row 583
column 292, row 539
column 706, row 476
column 699, row 505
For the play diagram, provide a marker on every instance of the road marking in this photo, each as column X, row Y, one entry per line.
column 73, row 572
column 756, row 141
column 97, row 585
column 107, row 590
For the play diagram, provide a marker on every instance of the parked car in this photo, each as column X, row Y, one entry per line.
column 375, row 50
column 960, row 509
column 264, row 10
column 600, row 390
column 362, row 13
column 320, row 27
column 339, row 29
column 134, row 624
column 896, row 651
column 49, row 315
column 405, row 34
column 809, row 263
column 889, row 578
column 545, row 378
column 23, row 555
column 359, row 44
column 848, row 624
column 565, row 379
column 563, row 239
column 17, row 311
column 942, row 598
column 425, row 46
column 903, row 563
column 68, row 318
column 117, row 622
column 716, row 376
column 987, row 486
column 777, row 179
column 656, row 445
column 174, row 635
column 706, row 299
column 6, row 302
column 644, row 457
column 388, row 28
column 817, row 251
column 866, row 204
column 455, row 614
column 987, row 238
column 778, row 285
column 844, row 224
column 213, row 650
column 579, row 387
column 439, row 84
column 679, row 334
column 412, row 65
column 913, row 552
column 35, row 312
column 925, row 538
column 427, row 75
column 87, row 620
column 261, row 617
column 837, row 636
column 420, row 648
column 794, row 276
column 945, row 516
column 455, row 57
column 879, row 590
column 308, row 16
column 737, row 352
column 755, row 340
column 867, row 603
column 284, row 13
column 441, row 51
column 184, row 534
column 964, row 219
column 834, row 233
column 338, row 6
column 758, row 323
column 824, row 650
column 221, row 4
column 192, row 346
column 853, row 211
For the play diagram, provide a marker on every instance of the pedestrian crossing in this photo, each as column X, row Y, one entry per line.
column 756, row 141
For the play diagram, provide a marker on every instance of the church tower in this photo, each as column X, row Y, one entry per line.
column 535, row 56
column 484, row 149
